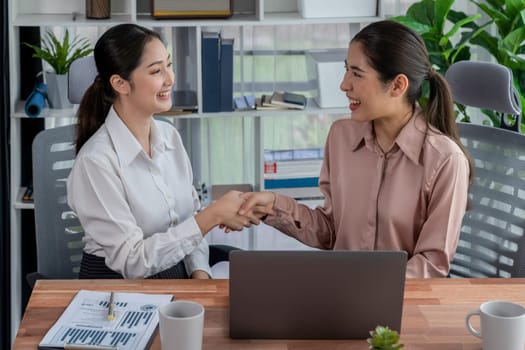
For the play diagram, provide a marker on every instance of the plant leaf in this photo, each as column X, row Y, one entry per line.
column 422, row 12
column 513, row 40
column 460, row 24
column 441, row 9
column 60, row 54
column 410, row 22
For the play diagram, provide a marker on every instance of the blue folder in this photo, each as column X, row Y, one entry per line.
column 210, row 72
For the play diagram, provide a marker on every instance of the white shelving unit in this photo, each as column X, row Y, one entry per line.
column 71, row 14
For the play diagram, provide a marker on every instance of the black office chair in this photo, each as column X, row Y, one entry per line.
column 492, row 239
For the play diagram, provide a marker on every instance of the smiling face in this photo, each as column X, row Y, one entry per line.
column 368, row 96
column 151, row 82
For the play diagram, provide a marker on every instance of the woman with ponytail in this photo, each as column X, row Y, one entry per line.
column 132, row 184
column 395, row 176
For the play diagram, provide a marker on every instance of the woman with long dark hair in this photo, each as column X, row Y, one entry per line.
column 132, row 184
column 395, row 176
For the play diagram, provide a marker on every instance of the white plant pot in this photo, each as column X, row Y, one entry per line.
column 57, row 90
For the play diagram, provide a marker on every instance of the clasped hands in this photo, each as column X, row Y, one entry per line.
column 243, row 209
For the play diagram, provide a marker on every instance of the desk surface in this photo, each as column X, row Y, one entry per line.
column 433, row 313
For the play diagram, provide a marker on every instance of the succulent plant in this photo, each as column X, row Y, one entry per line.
column 383, row 338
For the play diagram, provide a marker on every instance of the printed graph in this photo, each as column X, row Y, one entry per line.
column 87, row 336
column 133, row 319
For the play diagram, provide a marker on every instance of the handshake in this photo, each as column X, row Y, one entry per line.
column 236, row 210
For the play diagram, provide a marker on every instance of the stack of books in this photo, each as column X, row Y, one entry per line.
column 293, row 172
column 282, row 100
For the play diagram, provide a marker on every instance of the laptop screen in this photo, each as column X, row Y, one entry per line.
column 315, row 294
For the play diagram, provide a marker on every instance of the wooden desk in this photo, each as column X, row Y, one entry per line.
column 433, row 315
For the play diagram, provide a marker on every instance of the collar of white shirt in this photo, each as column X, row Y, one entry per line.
column 126, row 145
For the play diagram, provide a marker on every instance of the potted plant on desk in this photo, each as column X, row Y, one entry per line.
column 383, row 338
column 59, row 55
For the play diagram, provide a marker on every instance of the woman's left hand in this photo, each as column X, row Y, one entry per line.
column 200, row 275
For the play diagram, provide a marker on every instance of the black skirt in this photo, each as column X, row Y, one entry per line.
column 94, row 267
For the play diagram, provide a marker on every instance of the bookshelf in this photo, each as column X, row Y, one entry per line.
column 52, row 14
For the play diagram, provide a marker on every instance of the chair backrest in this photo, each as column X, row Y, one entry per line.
column 82, row 73
column 492, row 239
column 58, row 231
column 486, row 85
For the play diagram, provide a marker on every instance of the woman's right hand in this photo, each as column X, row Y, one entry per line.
column 224, row 212
column 257, row 203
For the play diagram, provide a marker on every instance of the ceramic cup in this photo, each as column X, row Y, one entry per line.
column 181, row 325
column 502, row 325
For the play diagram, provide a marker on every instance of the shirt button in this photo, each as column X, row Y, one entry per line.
column 194, row 244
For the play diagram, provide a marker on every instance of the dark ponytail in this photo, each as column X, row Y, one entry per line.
column 440, row 106
column 92, row 111
column 118, row 51
column 391, row 49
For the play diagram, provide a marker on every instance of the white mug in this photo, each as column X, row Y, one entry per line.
column 502, row 325
column 181, row 325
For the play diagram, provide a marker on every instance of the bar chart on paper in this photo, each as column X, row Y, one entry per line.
column 86, row 322
column 95, row 337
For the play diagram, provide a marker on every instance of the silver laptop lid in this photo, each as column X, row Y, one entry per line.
column 315, row 294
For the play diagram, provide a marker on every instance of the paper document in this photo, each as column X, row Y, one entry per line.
column 85, row 321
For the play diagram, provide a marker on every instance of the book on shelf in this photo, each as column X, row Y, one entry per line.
column 292, row 182
column 264, row 103
column 211, row 71
column 184, row 100
column 217, row 73
column 292, row 168
column 296, row 99
column 288, row 100
column 87, row 321
column 244, row 103
column 226, row 75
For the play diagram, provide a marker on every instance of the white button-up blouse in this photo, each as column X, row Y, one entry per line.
column 137, row 211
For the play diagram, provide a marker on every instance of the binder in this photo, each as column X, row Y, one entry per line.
column 226, row 75
column 210, row 71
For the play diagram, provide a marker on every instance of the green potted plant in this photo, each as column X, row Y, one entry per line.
column 429, row 18
column 506, row 43
column 59, row 55
column 383, row 338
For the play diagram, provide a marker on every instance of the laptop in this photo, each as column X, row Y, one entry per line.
column 315, row 294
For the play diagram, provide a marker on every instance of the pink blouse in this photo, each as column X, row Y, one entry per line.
column 412, row 198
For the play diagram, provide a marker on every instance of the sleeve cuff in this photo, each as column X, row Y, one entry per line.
column 186, row 229
column 198, row 259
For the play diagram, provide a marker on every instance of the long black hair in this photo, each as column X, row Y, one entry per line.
column 391, row 49
column 118, row 51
